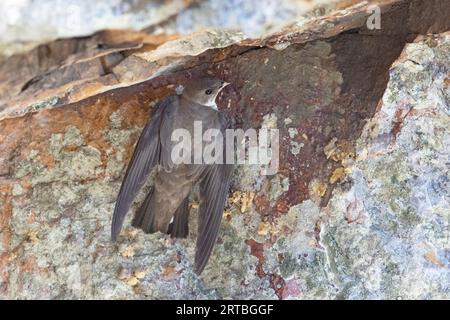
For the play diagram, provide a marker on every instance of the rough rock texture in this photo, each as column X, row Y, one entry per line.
column 386, row 231
column 26, row 23
column 359, row 208
column 252, row 17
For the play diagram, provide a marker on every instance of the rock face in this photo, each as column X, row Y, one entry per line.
column 26, row 23
column 359, row 208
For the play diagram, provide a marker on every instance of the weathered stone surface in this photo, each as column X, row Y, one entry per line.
column 25, row 24
column 386, row 231
column 70, row 70
column 253, row 17
column 359, row 208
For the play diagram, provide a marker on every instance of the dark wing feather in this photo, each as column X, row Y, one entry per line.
column 179, row 228
column 214, row 191
column 145, row 157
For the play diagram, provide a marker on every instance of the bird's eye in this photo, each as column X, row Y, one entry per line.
column 208, row 92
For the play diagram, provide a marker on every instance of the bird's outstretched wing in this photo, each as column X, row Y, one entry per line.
column 146, row 155
column 214, row 191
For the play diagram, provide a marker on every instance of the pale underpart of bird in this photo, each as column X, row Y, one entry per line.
column 166, row 207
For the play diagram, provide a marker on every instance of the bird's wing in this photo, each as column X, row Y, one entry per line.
column 214, row 191
column 165, row 137
column 145, row 157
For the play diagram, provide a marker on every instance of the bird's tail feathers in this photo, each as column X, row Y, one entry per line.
column 145, row 218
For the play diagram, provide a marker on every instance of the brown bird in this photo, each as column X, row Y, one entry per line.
column 166, row 207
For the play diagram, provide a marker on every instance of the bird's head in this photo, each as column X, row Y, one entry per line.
column 204, row 91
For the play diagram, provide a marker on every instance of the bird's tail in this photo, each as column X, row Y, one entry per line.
column 145, row 218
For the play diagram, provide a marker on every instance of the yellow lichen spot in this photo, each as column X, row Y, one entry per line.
column 130, row 232
column 312, row 243
column 243, row 199
column 227, row 214
column 12, row 256
column 139, row 274
column 127, row 251
column 32, row 236
column 247, row 201
column 337, row 175
column 132, row 281
column 318, row 189
column 272, row 228
column 330, row 148
column 263, row 229
column 339, row 150
column 235, row 197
